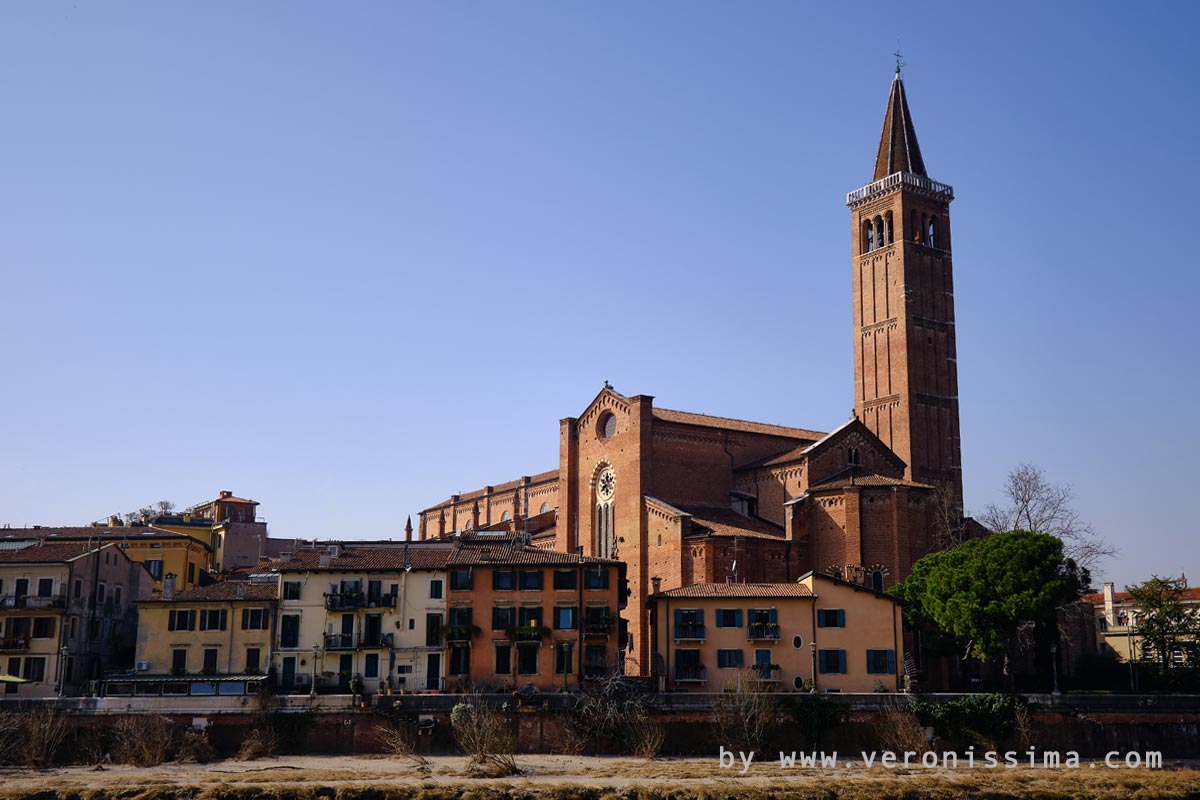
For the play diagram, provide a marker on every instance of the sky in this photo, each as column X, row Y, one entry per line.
column 349, row 259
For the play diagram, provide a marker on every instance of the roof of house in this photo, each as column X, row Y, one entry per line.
column 700, row 590
column 725, row 423
column 1190, row 594
column 95, row 533
column 46, row 553
column 722, row 521
column 505, row 555
column 224, row 591
column 369, row 559
column 859, row 476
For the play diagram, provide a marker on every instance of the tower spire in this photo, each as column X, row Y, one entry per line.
column 898, row 148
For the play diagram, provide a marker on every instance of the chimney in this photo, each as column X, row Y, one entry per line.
column 114, row 522
column 241, row 590
column 408, row 529
column 655, row 585
column 226, row 493
column 168, row 592
column 1108, row 604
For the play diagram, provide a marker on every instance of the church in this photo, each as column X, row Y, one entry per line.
column 685, row 498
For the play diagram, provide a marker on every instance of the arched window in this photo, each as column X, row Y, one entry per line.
column 505, row 517
column 852, row 457
column 932, row 242
column 877, row 580
column 890, row 233
column 880, row 240
column 545, row 507
column 915, row 227
column 605, row 540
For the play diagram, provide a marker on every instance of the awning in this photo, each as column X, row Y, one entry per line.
column 12, row 679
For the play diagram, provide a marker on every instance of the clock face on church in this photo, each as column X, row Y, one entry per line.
column 605, row 484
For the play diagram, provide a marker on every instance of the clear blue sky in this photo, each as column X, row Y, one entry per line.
column 347, row 259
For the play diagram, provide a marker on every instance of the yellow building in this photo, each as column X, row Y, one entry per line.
column 1117, row 624
column 66, row 613
column 212, row 640
column 819, row 632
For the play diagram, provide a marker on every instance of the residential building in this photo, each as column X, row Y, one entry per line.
column 520, row 616
column 819, row 632
column 1117, row 619
column 209, row 640
column 66, row 613
column 685, row 498
column 375, row 612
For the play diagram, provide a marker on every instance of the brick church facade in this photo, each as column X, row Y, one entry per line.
column 686, row 498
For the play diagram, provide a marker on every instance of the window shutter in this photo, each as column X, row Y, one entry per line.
column 679, row 616
column 842, row 661
column 224, row 618
column 738, row 658
column 171, row 620
column 891, row 667
column 245, row 618
column 737, row 618
column 821, row 619
column 841, row 623
column 700, row 616
column 773, row 616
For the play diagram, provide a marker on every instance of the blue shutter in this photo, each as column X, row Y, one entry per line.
column 700, row 616
column 891, row 662
column 679, row 616
column 821, row 618
column 870, row 663
column 842, row 661
column 737, row 618
column 738, row 658
column 841, row 618
column 773, row 616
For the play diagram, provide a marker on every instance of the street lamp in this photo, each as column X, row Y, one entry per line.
column 1054, row 666
column 813, row 647
column 312, row 691
column 62, row 671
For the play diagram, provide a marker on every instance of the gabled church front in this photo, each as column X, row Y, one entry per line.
column 686, row 499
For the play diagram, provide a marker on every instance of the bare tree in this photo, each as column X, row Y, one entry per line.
column 485, row 735
column 745, row 713
column 1035, row 504
column 165, row 506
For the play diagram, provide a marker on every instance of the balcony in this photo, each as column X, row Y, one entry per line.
column 595, row 669
column 597, row 627
column 460, row 633
column 345, row 601
column 690, row 673
column 340, row 641
column 32, row 602
column 381, row 642
column 768, row 673
column 763, row 631
column 14, row 643
column 529, row 633
column 689, row 632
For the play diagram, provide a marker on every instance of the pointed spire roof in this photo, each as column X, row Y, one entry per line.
column 898, row 148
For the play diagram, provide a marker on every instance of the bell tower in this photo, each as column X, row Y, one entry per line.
column 905, row 371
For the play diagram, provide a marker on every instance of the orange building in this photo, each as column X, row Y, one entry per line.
column 818, row 633
column 518, row 616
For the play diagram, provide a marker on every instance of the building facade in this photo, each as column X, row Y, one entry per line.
column 818, row 633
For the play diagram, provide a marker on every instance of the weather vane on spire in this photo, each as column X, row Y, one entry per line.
column 899, row 63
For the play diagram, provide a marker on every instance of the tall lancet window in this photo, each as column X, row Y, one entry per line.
column 606, row 540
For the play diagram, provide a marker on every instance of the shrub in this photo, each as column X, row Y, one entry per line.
column 899, row 730
column 745, row 714
column 400, row 739
column 143, row 741
column 194, row 747
column 260, row 742
column 976, row 717
column 41, row 733
column 484, row 735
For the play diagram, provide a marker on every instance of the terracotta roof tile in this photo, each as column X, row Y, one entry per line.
column 898, row 148
column 739, row 590
column 48, row 553
column 503, row 554
column 855, row 476
column 1191, row 594
column 745, row 426
column 370, row 559
column 719, row 521
column 223, row 591
column 500, row 488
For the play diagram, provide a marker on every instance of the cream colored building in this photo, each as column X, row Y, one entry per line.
column 1117, row 624
column 819, row 632
column 66, row 614
column 373, row 612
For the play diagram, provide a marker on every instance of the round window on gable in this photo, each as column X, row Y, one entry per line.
column 607, row 426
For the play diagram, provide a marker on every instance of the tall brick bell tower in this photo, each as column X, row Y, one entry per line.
column 905, row 371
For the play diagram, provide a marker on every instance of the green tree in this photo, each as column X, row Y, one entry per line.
column 981, row 592
column 1163, row 621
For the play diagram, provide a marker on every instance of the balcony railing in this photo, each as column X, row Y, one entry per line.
column 32, row 602
column 459, row 633
column 770, row 673
column 765, row 631
column 691, row 673
column 339, row 641
column 345, row 601
column 383, row 641
column 597, row 627
column 689, row 631
column 14, row 643
column 897, row 179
